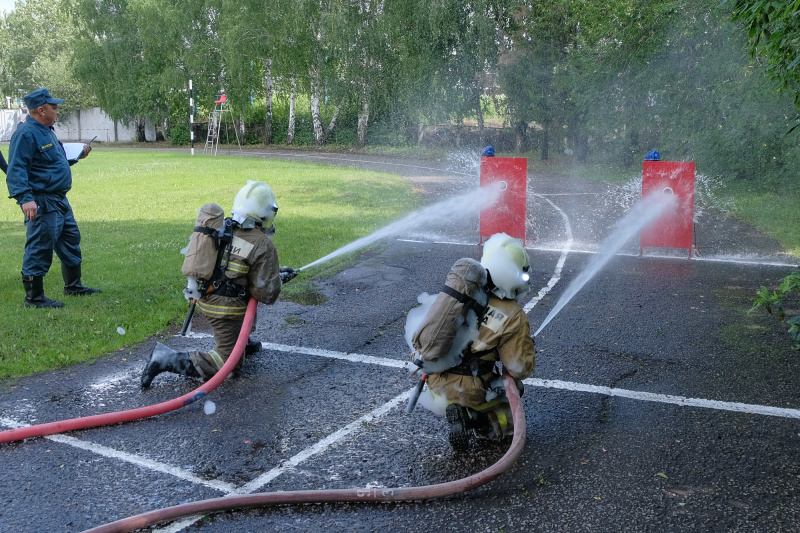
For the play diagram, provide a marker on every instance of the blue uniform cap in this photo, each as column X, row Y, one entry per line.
column 652, row 155
column 39, row 97
column 488, row 151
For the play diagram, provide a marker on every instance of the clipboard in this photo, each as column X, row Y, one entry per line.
column 73, row 151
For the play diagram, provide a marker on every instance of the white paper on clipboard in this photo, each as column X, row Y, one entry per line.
column 73, row 150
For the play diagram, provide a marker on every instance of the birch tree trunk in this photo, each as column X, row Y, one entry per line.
column 363, row 119
column 292, row 99
column 268, row 90
column 332, row 123
column 316, row 117
column 363, row 116
column 479, row 114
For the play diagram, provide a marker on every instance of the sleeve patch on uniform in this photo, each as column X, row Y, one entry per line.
column 241, row 247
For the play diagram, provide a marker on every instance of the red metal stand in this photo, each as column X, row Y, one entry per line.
column 676, row 228
column 507, row 215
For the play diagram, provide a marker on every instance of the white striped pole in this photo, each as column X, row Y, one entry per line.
column 191, row 116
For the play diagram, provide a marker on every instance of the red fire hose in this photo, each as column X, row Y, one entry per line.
column 51, row 428
column 263, row 499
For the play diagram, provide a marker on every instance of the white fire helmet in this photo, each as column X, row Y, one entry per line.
column 507, row 262
column 256, row 200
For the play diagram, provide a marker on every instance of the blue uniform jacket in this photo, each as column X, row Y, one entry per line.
column 37, row 164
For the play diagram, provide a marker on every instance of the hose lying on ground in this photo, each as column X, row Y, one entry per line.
column 51, row 428
column 262, row 499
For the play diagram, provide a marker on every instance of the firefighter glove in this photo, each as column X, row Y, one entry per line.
column 288, row 274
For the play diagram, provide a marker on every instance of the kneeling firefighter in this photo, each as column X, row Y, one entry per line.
column 228, row 261
column 472, row 388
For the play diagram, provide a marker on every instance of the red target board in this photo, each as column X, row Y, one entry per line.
column 507, row 215
column 674, row 229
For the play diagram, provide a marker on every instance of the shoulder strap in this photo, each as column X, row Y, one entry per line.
column 467, row 300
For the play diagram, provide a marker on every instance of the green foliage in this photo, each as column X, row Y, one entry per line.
column 179, row 135
column 774, row 33
column 136, row 210
column 37, row 52
column 773, row 303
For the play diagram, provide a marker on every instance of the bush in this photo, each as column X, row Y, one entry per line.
column 179, row 135
column 773, row 304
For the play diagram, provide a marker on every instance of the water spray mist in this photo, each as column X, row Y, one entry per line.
column 459, row 206
column 638, row 218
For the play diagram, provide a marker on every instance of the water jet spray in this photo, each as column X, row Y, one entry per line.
column 648, row 210
column 459, row 206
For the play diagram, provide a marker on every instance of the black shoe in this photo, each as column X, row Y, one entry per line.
column 34, row 293
column 164, row 359
column 43, row 302
column 459, row 422
column 253, row 346
column 72, row 281
column 79, row 291
column 150, row 371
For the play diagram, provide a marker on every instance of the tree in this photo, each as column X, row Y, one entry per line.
column 38, row 43
column 774, row 32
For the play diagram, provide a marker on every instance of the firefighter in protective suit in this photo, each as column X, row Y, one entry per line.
column 251, row 270
column 474, row 391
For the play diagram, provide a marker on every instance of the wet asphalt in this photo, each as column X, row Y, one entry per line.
column 612, row 443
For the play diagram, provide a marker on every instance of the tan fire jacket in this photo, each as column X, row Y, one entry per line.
column 253, row 263
column 505, row 336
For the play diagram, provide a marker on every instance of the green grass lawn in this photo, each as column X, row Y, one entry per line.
column 136, row 210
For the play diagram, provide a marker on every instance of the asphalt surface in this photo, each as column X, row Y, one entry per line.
column 658, row 404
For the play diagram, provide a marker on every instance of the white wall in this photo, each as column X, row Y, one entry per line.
column 86, row 123
column 9, row 118
column 81, row 126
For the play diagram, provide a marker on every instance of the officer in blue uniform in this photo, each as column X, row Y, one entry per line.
column 39, row 178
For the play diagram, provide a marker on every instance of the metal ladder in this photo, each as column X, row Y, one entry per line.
column 215, row 124
column 213, row 131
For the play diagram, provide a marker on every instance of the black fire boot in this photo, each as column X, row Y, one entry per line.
column 166, row 359
column 252, row 346
column 34, row 293
column 72, row 281
column 461, row 421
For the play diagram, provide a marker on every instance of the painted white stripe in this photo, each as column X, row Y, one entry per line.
column 666, row 398
column 567, row 385
column 561, row 260
column 302, row 456
column 355, row 358
column 324, row 444
column 129, row 458
column 376, row 414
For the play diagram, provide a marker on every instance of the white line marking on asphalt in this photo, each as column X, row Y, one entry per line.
column 137, row 460
column 561, row 260
column 354, row 357
column 377, row 413
column 567, row 385
column 666, row 398
column 324, row 444
column 302, row 456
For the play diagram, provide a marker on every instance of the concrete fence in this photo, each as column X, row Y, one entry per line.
column 80, row 126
